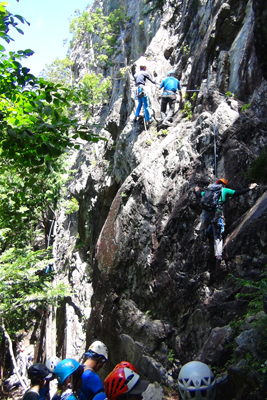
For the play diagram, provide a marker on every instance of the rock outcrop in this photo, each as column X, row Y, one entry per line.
column 143, row 281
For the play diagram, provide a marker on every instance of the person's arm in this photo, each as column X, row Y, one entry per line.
column 149, row 78
column 180, row 91
column 243, row 191
column 197, row 192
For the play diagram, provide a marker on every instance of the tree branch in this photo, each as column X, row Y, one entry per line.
column 23, row 384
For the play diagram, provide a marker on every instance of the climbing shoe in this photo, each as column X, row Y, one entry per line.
column 167, row 123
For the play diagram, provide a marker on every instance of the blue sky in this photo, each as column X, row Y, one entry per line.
column 49, row 21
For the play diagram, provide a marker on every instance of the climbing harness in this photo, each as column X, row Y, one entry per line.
column 221, row 224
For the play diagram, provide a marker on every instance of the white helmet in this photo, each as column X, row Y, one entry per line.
column 196, row 381
column 51, row 363
column 99, row 348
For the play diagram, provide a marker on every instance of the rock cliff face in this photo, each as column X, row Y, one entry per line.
column 144, row 282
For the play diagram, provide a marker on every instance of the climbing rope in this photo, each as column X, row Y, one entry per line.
column 215, row 141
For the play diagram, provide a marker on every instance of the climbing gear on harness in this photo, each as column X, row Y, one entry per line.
column 196, row 381
column 52, row 362
column 209, row 200
column 125, row 364
column 223, row 181
column 65, row 368
column 221, row 224
column 97, row 348
column 169, row 93
column 140, row 92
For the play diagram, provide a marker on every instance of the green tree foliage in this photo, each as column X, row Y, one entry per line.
column 25, row 286
column 59, row 71
column 106, row 28
column 93, row 91
column 37, row 129
column 258, row 169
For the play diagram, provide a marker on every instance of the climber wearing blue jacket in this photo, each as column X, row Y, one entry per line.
column 95, row 358
column 170, row 86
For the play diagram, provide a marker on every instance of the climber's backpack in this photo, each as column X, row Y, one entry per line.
column 209, row 200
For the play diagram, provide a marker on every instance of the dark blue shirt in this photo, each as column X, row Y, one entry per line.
column 91, row 385
column 171, row 84
column 141, row 76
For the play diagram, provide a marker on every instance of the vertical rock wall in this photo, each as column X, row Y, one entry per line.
column 143, row 281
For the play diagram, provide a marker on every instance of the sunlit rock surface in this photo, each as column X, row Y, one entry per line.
column 143, row 281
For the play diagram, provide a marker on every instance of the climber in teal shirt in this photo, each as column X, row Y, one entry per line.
column 213, row 221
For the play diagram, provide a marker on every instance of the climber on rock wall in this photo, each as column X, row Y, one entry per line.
column 212, row 217
column 95, row 358
column 141, row 95
column 170, row 86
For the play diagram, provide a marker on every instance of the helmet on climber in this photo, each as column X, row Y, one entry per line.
column 196, row 381
column 125, row 364
column 65, row 368
column 97, row 349
column 38, row 372
column 171, row 73
column 222, row 181
column 121, row 381
column 51, row 363
column 96, row 355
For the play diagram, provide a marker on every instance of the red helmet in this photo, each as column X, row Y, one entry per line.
column 126, row 364
column 223, row 181
column 120, row 381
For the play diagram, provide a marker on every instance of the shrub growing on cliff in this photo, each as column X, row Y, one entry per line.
column 258, row 169
column 106, row 28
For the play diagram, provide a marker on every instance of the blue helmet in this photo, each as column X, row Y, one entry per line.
column 65, row 368
column 171, row 72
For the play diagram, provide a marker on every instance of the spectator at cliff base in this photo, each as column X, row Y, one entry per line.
column 69, row 375
column 37, row 373
column 124, row 384
column 95, row 358
column 196, row 382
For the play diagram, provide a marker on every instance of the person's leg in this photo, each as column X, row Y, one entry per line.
column 205, row 220
column 218, row 229
column 163, row 108
column 146, row 107
column 138, row 109
column 171, row 102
